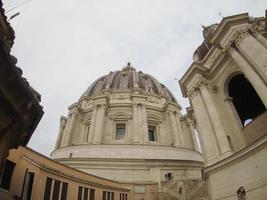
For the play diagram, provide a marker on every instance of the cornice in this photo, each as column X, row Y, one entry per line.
column 167, row 104
column 226, row 24
column 75, row 106
column 128, row 163
column 60, row 173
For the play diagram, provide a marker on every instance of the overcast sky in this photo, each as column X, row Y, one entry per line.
column 62, row 46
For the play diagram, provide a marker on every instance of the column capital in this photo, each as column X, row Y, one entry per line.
column 236, row 38
column 239, row 35
column 100, row 105
column 254, row 30
column 201, row 83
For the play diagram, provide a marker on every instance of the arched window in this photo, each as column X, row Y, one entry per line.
column 245, row 99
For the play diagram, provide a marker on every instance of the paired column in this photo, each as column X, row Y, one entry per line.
column 144, row 123
column 174, row 128
column 179, row 129
column 140, row 131
column 99, row 124
column 217, row 125
column 135, row 124
column 177, row 132
column 92, row 126
column 251, row 47
column 261, row 39
column 190, row 124
column 207, row 137
column 70, row 125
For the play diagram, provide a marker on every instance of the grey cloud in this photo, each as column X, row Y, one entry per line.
column 62, row 46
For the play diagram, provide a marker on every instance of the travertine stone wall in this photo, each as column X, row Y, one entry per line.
column 236, row 46
column 95, row 124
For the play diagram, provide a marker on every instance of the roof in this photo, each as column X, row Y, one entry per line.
column 127, row 79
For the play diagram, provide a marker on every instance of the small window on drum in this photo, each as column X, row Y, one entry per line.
column 120, row 131
column 152, row 133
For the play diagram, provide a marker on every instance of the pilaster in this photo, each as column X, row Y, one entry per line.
column 172, row 111
column 215, row 119
column 135, row 124
column 70, row 124
column 207, row 137
column 191, row 127
column 99, row 123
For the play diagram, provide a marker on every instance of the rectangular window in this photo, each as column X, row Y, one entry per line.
column 92, row 194
column 7, row 174
column 108, row 195
column 104, row 195
column 55, row 189
column 48, row 185
column 64, row 191
column 120, row 131
column 85, row 193
column 123, row 196
column 152, row 134
column 80, row 191
column 27, row 185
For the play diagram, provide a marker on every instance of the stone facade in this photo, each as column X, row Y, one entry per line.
column 38, row 177
column 227, row 88
column 128, row 127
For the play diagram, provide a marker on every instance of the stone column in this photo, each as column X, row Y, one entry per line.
column 85, row 135
column 207, row 137
column 190, row 124
column 235, row 124
column 249, row 72
column 140, row 128
column 179, row 129
column 216, row 123
column 174, row 128
column 254, row 31
column 135, row 124
column 144, row 124
column 261, row 39
column 62, row 125
column 92, row 126
column 252, row 50
column 70, row 126
column 99, row 125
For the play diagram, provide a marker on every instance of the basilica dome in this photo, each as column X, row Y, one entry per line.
column 128, row 79
column 124, row 126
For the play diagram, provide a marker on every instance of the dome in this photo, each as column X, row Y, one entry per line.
column 124, row 120
column 128, row 79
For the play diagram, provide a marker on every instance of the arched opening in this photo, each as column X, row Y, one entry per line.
column 245, row 99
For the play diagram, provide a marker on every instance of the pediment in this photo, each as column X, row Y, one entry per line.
column 121, row 115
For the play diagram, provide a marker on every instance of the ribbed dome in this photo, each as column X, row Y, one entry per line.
column 127, row 79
